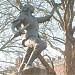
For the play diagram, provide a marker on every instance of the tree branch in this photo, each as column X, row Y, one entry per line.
column 13, row 5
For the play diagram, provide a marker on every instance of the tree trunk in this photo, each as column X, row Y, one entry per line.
column 69, row 58
column 69, row 45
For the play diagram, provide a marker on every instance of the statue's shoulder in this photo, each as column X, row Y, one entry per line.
column 22, row 16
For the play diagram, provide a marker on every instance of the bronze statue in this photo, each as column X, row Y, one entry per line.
column 32, row 40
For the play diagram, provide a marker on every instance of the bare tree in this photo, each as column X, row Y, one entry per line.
column 58, row 32
column 66, row 20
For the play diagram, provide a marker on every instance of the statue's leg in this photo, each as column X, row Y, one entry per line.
column 38, row 48
column 25, row 59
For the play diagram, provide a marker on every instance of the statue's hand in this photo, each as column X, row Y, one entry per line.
column 17, row 34
column 20, row 31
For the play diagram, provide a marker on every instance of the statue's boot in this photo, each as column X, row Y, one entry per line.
column 25, row 59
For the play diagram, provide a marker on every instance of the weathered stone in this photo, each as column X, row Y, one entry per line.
column 33, row 71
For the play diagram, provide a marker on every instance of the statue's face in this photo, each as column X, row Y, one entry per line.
column 28, row 8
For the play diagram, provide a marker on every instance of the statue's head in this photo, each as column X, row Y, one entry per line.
column 27, row 7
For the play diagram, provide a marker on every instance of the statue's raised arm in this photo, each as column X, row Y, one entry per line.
column 46, row 18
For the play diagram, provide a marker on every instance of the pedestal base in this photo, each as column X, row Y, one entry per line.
column 34, row 71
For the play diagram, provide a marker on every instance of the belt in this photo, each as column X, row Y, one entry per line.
column 23, row 42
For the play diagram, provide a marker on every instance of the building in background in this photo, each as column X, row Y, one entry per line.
column 59, row 66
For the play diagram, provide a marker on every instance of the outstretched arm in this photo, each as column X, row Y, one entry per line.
column 46, row 18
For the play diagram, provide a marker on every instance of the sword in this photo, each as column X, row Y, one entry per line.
column 18, row 33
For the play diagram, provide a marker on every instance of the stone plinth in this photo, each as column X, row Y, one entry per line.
column 33, row 71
